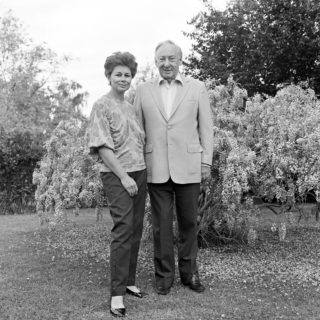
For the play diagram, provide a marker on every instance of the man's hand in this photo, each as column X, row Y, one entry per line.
column 130, row 185
column 205, row 172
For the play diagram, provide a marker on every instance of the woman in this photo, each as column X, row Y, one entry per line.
column 116, row 136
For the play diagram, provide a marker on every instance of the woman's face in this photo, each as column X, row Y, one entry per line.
column 120, row 79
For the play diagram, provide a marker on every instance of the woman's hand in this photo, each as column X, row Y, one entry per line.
column 108, row 157
column 130, row 185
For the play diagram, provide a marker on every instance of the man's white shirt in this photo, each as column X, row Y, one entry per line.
column 169, row 92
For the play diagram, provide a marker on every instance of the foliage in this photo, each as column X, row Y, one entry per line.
column 284, row 132
column 224, row 214
column 263, row 43
column 67, row 176
column 34, row 98
column 266, row 148
column 18, row 156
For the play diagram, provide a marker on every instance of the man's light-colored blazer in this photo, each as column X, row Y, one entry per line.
column 176, row 147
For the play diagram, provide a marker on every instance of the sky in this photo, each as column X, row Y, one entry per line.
column 90, row 30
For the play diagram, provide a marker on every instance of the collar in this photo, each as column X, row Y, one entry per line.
column 177, row 79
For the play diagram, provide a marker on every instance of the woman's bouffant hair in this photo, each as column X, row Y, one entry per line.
column 120, row 59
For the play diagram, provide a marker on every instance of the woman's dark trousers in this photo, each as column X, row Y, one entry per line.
column 127, row 214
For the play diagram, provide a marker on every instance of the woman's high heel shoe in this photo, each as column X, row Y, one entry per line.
column 115, row 302
column 118, row 312
column 139, row 294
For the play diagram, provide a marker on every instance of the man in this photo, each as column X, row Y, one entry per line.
column 175, row 113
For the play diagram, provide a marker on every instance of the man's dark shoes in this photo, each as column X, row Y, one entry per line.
column 139, row 294
column 163, row 290
column 194, row 283
column 118, row 312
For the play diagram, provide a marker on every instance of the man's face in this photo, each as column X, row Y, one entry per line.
column 168, row 61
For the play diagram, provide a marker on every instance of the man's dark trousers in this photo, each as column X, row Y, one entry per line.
column 162, row 197
column 127, row 214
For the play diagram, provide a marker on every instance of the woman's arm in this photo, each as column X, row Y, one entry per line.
column 108, row 157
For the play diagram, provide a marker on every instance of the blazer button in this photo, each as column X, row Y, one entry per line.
column 169, row 127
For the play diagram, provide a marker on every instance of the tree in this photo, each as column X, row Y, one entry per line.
column 33, row 95
column 34, row 98
column 262, row 43
column 19, row 154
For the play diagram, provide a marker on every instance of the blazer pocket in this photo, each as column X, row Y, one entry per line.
column 194, row 147
column 148, row 148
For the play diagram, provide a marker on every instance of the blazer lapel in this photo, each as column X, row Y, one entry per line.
column 181, row 92
column 156, row 94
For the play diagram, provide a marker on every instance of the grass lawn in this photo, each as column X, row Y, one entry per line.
column 59, row 275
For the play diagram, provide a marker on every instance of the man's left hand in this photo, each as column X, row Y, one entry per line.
column 205, row 172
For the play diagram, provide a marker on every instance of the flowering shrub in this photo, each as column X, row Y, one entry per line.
column 67, row 176
column 224, row 214
column 284, row 131
column 266, row 147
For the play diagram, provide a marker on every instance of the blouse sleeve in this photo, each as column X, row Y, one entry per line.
column 99, row 134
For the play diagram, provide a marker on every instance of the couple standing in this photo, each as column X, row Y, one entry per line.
column 165, row 138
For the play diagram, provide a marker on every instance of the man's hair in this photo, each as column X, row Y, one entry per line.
column 120, row 59
column 169, row 42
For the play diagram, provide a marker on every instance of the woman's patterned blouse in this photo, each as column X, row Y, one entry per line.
column 114, row 125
